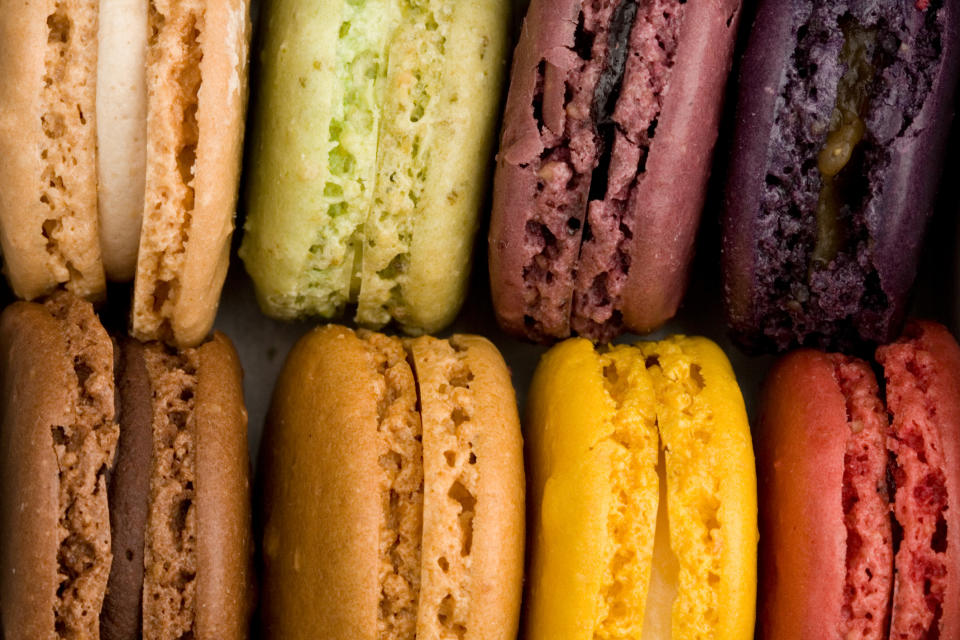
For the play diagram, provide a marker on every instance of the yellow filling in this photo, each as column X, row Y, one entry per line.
column 846, row 131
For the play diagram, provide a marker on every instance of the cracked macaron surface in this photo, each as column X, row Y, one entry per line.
column 372, row 131
column 643, row 494
column 608, row 133
column 841, row 131
column 859, row 532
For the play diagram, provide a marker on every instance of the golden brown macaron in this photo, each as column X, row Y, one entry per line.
column 94, row 458
column 122, row 126
column 393, row 490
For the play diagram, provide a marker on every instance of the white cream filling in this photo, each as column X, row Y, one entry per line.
column 121, row 132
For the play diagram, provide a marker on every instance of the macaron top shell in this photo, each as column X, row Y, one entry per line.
column 810, row 404
column 193, row 167
column 58, row 440
column 922, row 371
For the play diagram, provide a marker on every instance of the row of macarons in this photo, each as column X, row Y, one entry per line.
column 373, row 127
column 397, row 498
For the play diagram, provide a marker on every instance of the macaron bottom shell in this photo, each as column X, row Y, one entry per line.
column 592, row 431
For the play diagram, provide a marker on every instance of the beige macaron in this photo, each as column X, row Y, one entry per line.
column 122, row 126
column 393, row 491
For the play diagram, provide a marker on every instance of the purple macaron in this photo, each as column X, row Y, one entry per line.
column 842, row 121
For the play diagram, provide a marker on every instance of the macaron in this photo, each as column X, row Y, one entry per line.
column 605, row 152
column 860, row 529
column 393, row 490
column 372, row 134
column 125, row 508
column 123, row 125
column 841, row 129
column 643, row 494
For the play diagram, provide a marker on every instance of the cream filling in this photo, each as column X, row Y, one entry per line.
column 121, row 106
column 664, row 572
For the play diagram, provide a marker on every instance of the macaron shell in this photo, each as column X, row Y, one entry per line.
column 322, row 429
column 182, row 264
column 801, row 410
column 66, row 422
column 926, row 356
column 33, row 398
column 448, row 149
column 572, row 455
column 48, row 207
column 711, row 486
column 671, row 194
column 224, row 544
column 472, row 571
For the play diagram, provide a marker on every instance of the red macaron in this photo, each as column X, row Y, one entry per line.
column 860, row 492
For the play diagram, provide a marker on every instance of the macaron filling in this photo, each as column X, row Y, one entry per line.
column 152, row 588
column 846, row 132
column 121, row 103
column 596, row 115
column 866, row 505
column 174, row 52
column 84, row 450
column 921, row 493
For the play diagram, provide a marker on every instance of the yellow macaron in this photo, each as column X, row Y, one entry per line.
column 642, row 492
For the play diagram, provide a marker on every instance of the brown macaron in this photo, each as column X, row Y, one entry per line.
column 393, row 490
column 121, row 124
column 125, row 504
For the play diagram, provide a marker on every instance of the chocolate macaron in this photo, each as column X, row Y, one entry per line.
column 125, row 510
column 842, row 125
column 607, row 140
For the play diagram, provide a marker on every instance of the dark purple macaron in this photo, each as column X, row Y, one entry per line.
column 607, row 139
column 842, row 120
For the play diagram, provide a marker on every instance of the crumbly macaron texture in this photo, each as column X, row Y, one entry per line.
column 196, row 84
column 593, row 427
column 84, row 447
column 360, row 207
column 866, row 503
column 921, row 371
column 472, row 549
column 48, row 198
column 170, row 542
column 59, row 439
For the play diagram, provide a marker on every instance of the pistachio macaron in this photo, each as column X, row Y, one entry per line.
column 372, row 137
column 125, row 509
